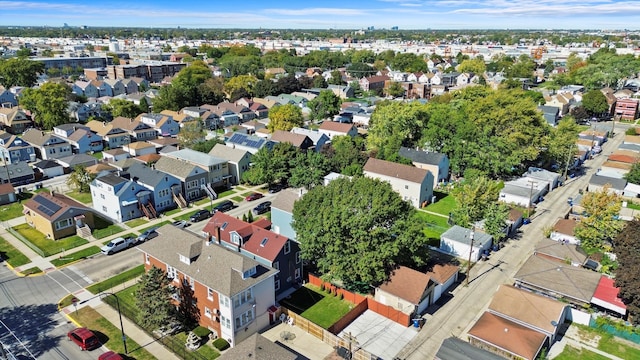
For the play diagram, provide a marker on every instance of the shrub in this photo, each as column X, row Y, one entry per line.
column 201, row 331
column 220, row 344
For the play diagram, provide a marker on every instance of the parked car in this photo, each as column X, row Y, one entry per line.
column 110, row 355
column 118, row 244
column 223, row 206
column 147, row 235
column 262, row 208
column 275, row 188
column 200, row 215
column 84, row 338
column 254, row 196
column 180, row 224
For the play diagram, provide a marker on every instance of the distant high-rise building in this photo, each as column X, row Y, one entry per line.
column 394, row 28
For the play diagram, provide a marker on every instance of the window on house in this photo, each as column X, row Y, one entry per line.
column 406, row 187
column 210, row 293
column 102, row 196
column 225, row 301
column 297, row 274
column 147, row 258
column 276, row 285
column 287, row 247
column 244, row 319
column 207, row 312
column 172, row 273
column 235, row 238
column 104, row 208
column 297, row 257
column 276, row 265
column 226, row 322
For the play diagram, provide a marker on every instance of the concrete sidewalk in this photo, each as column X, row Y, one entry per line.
column 131, row 330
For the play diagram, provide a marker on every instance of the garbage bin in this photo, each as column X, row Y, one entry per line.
column 416, row 323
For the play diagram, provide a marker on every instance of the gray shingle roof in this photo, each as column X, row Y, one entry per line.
column 257, row 347
column 285, row 199
column 111, row 179
column 421, row 156
column 146, row 175
column 179, row 168
column 617, row 184
column 196, row 157
column 230, row 154
column 455, row 349
column 212, row 265
column 462, row 235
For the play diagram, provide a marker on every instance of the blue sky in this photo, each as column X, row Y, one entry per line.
column 348, row 14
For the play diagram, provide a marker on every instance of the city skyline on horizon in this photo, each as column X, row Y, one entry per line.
column 355, row 14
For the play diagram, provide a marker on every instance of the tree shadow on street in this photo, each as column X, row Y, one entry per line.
column 31, row 324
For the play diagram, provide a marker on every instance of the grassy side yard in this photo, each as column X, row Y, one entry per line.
column 116, row 280
column 48, row 246
column 610, row 345
column 14, row 210
column 237, row 199
column 78, row 255
column 12, row 255
column 316, row 306
column 104, row 228
column 109, row 334
column 136, row 222
column 571, row 353
column 84, row 198
column 444, row 204
column 434, row 225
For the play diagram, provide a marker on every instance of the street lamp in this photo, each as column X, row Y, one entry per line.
column 124, row 338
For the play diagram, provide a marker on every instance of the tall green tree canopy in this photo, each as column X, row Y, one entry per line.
column 626, row 247
column 184, row 89
column 285, row 117
column 346, row 155
column 325, row 105
column 633, row 176
column 270, row 166
column 48, row 104
column 308, row 169
column 153, row 299
column 122, row 107
column 357, row 230
column 562, row 143
column 20, row 72
column 475, row 197
column 601, row 224
column 394, row 124
column 80, row 179
column 595, row 102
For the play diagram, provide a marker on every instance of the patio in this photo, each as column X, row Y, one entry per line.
column 299, row 341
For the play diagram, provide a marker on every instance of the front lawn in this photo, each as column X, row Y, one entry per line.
column 316, row 306
column 47, row 246
column 97, row 155
column 444, row 204
column 107, row 231
column 78, row 255
column 116, row 280
column 172, row 212
column 14, row 210
column 12, row 255
column 136, row 222
column 110, row 335
column 84, row 198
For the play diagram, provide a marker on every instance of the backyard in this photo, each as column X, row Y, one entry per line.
column 434, row 226
column 316, row 306
column 83, row 197
column 444, row 204
column 47, row 246
column 571, row 353
column 14, row 210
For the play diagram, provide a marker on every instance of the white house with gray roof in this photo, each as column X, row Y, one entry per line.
column 459, row 242
column 217, row 168
column 435, row 162
column 414, row 185
column 238, row 159
column 233, row 293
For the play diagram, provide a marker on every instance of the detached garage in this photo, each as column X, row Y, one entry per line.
column 458, row 240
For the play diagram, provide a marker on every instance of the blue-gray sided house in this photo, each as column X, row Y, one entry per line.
column 138, row 191
column 14, row 150
column 47, row 146
column 282, row 212
column 217, row 169
column 81, row 138
column 192, row 178
column 112, row 136
column 165, row 125
column 319, row 139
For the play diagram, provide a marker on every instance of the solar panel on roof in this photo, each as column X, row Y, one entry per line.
column 47, row 206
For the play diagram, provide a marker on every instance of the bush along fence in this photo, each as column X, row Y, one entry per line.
column 176, row 346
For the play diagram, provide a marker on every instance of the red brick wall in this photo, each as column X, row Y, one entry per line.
column 200, row 293
column 357, row 299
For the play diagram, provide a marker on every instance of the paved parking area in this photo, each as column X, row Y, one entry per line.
column 306, row 345
column 379, row 335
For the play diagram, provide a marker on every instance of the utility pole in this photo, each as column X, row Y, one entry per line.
column 530, row 197
column 471, row 236
column 352, row 340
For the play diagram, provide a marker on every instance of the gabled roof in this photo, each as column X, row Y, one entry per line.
column 46, row 164
column 407, row 284
column 565, row 226
column 537, row 311
column 211, row 265
column 36, row 137
column 294, row 139
column 616, row 184
column 245, row 140
column 336, row 126
column 422, row 156
column 7, row 188
column 179, row 168
column 508, row 335
column 395, row 170
column 257, row 347
column 230, row 154
column 78, row 159
column 455, row 349
column 15, row 171
column 146, row 175
column 560, row 278
column 53, row 206
column 560, row 251
column 99, row 167
column 285, row 199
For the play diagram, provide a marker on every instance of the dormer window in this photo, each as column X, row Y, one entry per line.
column 249, row 273
column 185, row 259
column 235, row 238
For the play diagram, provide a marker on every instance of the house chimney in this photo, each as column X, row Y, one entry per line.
column 218, row 234
column 53, row 193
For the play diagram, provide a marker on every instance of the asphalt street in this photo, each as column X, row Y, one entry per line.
column 468, row 303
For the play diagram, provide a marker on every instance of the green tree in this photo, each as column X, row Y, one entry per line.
column 240, row 82
column 48, row 104
column 80, row 179
column 308, row 169
column 23, row 52
column 325, row 105
column 346, row 155
column 122, row 107
column 264, row 88
column 394, row 124
column 473, row 197
column 395, row 90
column 601, row 224
column 562, row 143
column 336, row 78
column 206, row 145
column 285, row 117
column 496, row 216
column 184, row 88
column 153, row 299
column 360, row 70
column 47, row 53
column 633, row 176
column 476, row 66
column 357, row 231
column 595, row 102
column 270, row 166
column 212, row 91
column 20, row 72
column 191, row 133
column 626, row 247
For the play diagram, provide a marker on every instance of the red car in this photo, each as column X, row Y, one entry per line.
column 110, row 355
column 84, row 338
column 254, row 196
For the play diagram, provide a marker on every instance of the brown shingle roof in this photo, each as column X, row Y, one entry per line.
column 282, row 136
column 565, row 226
column 507, row 335
column 536, row 310
column 560, row 251
column 61, row 202
column 336, row 126
column 407, row 284
column 440, row 273
column 391, row 169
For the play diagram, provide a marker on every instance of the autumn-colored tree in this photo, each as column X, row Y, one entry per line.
column 601, row 224
column 285, row 117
